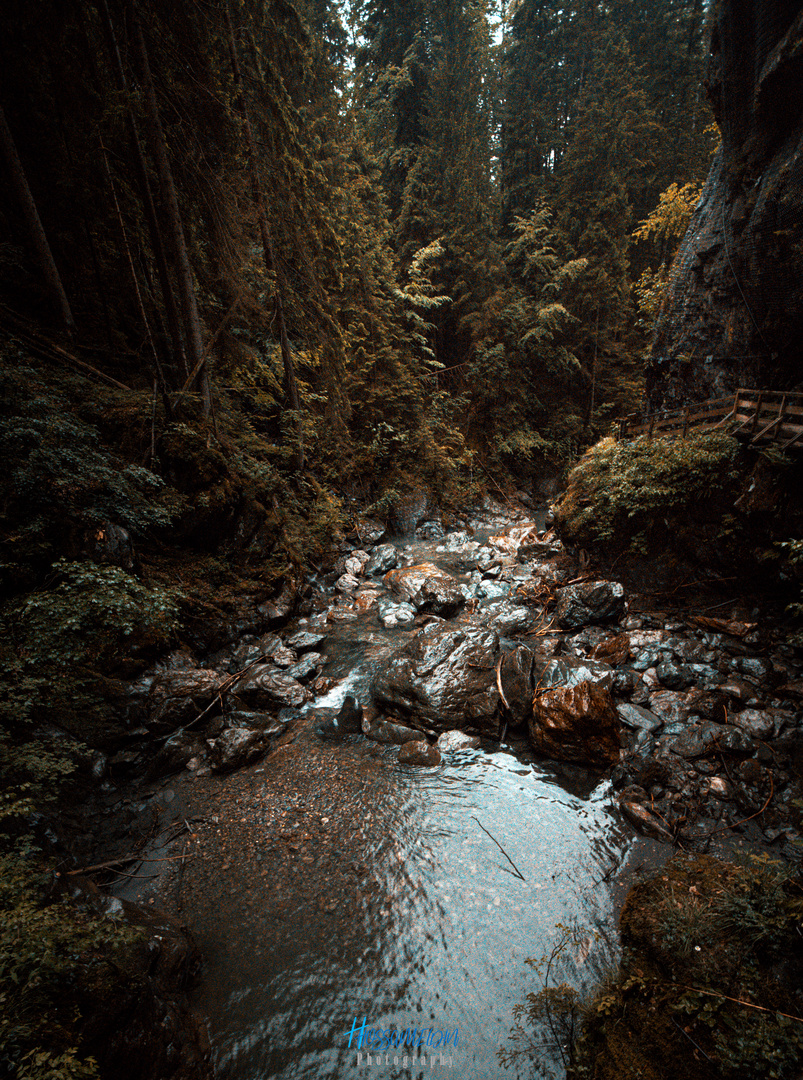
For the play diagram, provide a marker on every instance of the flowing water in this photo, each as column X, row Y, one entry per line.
column 334, row 886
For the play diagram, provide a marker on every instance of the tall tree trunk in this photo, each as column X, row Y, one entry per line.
column 189, row 303
column 37, row 233
column 271, row 264
column 165, row 284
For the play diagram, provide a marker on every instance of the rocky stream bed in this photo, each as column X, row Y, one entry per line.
column 379, row 799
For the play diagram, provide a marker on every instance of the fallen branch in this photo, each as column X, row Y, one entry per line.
column 736, row 1001
column 499, row 683
column 224, row 688
column 121, row 862
column 691, row 1040
column 518, row 872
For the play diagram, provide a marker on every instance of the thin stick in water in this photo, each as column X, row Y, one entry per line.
column 518, row 872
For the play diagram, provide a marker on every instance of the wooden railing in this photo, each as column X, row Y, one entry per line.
column 758, row 416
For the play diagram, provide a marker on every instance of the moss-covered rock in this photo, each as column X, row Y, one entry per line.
column 711, row 981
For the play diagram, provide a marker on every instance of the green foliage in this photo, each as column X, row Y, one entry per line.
column 60, row 477
column 547, row 1024
column 42, row 941
column 664, row 227
column 706, row 943
column 92, row 614
column 624, row 491
column 522, row 372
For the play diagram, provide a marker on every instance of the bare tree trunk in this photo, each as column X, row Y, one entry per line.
column 165, row 284
column 32, row 220
column 271, row 264
column 189, row 303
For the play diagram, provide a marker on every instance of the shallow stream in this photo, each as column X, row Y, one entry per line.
column 331, row 885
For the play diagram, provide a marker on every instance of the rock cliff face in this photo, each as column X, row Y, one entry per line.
column 734, row 315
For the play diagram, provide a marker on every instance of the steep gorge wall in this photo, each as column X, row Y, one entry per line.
column 734, row 314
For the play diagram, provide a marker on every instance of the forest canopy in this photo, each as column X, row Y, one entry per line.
column 400, row 234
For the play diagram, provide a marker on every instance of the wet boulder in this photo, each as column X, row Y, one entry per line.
column 277, row 611
column 347, row 583
column 304, row 640
column 613, row 650
column 384, row 731
column 589, row 602
column 637, row 717
column 368, row 531
column 308, row 666
column 577, row 724
column 236, row 747
column 405, row 581
column 506, row 618
column 571, row 671
column 758, row 723
column 392, row 614
column 419, row 753
column 177, row 697
column 674, row 676
column 259, row 721
column 383, row 558
column 644, row 821
column 443, row 678
column 439, row 595
column 671, row 707
column 457, row 740
column 266, row 687
column 349, row 719
column 174, row 755
column 355, row 563
column 516, row 679
column 703, row 738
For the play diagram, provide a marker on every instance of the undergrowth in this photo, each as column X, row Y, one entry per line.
column 625, row 491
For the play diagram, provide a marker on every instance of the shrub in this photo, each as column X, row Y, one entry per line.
column 625, row 490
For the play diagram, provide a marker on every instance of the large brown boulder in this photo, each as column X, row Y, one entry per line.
column 577, row 724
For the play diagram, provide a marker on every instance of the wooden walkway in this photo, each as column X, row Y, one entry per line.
column 759, row 417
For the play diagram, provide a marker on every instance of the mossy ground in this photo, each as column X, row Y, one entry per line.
column 711, row 976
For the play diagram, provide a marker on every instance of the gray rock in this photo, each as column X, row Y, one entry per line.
column 349, row 719
column 383, row 731
column 571, row 671
column 174, row 755
column 307, row 666
column 443, row 678
column 644, row 821
column 589, row 602
column 346, row 584
column 419, row 753
column 636, row 717
column 237, row 747
column 438, row 596
column 383, row 558
column 368, row 531
column 670, row 706
column 303, row 640
column 457, row 740
column 177, row 697
column 391, row 614
column 265, row 687
column 674, row 676
column 755, row 722
column 707, row 736
column 516, row 677
column 355, row 563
